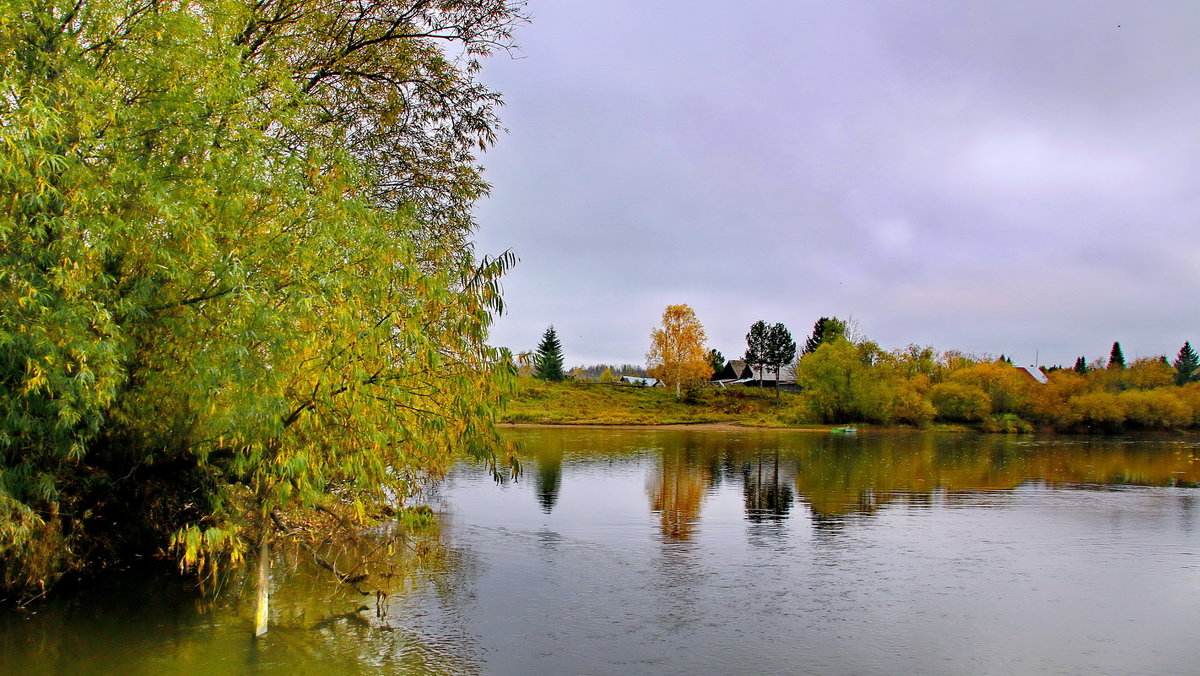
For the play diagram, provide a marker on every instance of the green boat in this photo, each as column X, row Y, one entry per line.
column 844, row 430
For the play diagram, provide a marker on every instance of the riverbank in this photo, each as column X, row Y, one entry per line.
column 584, row 403
column 587, row 404
column 728, row 426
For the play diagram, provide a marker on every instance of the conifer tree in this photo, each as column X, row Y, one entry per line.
column 717, row 360
column 780, row 350
column 1186, row 364
column 1116, row 360
column 1081, row 366
column 756, row 347
column 825, row 330
column 548, row 362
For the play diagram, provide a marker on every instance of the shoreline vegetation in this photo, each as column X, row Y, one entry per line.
column 586, row 404
column 1061, row 405
column 241, row 309
column 842, row 378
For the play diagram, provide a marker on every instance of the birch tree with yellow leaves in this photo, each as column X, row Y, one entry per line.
column 677, row 355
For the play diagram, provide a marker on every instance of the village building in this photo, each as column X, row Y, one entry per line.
column 1034, row 373
column 640, row 380
column 738, row 372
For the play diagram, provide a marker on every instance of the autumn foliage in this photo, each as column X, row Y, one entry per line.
column 843, row 381
column 677, row 354
column 237, row 289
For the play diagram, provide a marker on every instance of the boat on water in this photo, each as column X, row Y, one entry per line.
column 844, row 430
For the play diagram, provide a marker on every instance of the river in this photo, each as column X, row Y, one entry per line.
column 706, row 552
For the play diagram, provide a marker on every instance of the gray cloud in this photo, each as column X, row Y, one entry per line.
column 1014, row 177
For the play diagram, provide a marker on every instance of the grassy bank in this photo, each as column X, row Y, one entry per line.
column 586, row 403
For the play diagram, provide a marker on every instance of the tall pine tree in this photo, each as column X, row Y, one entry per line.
column 548, row 362
column 1186, row 364
column 1116, row 359
column 1081, row 366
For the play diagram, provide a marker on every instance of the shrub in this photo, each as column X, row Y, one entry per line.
column 1155, row 409
column 957, row 402
column 1189, row 396
column 894, row 401
column 1098, row 409
column 1006, row 423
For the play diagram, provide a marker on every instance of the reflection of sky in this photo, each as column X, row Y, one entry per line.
column 1040, row 578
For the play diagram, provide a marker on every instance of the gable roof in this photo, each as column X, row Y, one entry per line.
column 640, row 380
column 1034, row 372
column 735, row 369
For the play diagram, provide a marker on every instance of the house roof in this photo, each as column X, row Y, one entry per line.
column 735, row 368
column 1035, row 373
column 640, row 380
column 769, row 376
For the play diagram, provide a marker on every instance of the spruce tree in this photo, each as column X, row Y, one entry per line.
column 1116, row 360
column 814, row 340
column 1186, row 364
column 825, row 330
column 1081, row 366
column 548, row 362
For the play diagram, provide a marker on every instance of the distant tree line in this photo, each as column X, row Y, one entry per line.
column 841, row 376
column 598, row 372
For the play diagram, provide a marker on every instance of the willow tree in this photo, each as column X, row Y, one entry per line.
column 677, row 356
column 237, row 291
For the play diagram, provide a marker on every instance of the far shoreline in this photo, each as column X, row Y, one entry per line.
column 729, row 426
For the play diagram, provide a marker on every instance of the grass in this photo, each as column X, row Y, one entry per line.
column 585, row 403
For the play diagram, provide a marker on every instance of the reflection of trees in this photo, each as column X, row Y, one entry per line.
column 549, row 473
column 145, row 621
column 845, row 476
column 676, row 490
column 767, row 497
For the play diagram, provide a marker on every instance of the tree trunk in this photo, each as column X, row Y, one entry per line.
column 264, row 571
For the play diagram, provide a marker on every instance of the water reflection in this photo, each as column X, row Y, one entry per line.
column 767, row 487
column 836, row 477
column 676, row 489
column 687, row 552
column 151, row 621
column 549, row 473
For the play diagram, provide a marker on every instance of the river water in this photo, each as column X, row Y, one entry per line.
column 704, row 552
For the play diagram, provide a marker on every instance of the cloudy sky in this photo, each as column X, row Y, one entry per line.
column 1017, row 177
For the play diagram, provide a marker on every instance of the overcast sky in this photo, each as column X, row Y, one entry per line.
column 1006, row 177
